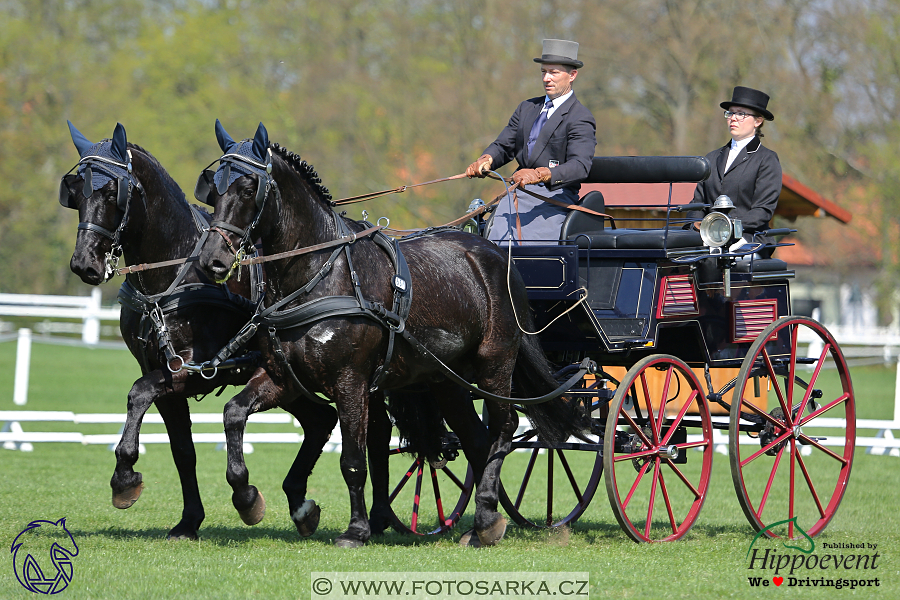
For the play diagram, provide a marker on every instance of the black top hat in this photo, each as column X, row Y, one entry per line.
column 560, row 52
column 750, row 98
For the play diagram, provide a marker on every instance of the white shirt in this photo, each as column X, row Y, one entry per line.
column 736, row 147
column 557, row 102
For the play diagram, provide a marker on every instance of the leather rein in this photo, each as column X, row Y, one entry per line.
column 352, row 238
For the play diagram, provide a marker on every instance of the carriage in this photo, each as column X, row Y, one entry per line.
column 697, row 353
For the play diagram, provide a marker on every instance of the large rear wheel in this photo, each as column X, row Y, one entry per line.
column 544, row 485
column 791, row 462
column 657, row 450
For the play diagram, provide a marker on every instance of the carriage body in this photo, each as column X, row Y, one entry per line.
column 691, row 342
column 639, row 302
column 697, row 354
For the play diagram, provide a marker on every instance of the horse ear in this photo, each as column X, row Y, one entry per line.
column 82, row 144
column 120, row 143
column 261, row 142
column 225, row 141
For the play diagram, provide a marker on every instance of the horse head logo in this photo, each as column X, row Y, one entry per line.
column 36, row 542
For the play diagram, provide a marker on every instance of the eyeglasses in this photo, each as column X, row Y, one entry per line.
column 740, row 116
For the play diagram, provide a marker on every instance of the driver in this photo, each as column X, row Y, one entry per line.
column 553, row 139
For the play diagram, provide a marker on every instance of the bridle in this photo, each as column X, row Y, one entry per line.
column 67, row 198
column 206, row 189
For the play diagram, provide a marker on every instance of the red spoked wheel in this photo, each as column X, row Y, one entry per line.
column 553, row 484
column 429, row 498
column 658, row 450
column 791, row 462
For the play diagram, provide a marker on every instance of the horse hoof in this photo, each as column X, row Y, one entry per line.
column 255, row 513
column 343, row 542
column 128, row 496
column 494, row 533
column 175, row 536
column 306, row 518
column 470, row 540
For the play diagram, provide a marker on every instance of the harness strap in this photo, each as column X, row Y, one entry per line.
column 286, row 365
column 97, row 229
column 587, row 366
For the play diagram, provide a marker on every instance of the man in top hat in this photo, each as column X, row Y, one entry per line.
column 743, row 169
column 552, row 137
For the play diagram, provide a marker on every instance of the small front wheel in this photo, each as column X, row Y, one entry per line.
column 658, row 450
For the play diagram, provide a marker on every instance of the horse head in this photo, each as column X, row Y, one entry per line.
column 259, row 191
column 101, row 190
column 240, row 191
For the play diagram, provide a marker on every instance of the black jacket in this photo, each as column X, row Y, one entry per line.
column 568, row 137
column 753, row 183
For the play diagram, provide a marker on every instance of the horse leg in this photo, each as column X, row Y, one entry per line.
column 317, row 420
column 459, row 412
column 490, row 525
column 377, row 442
column 126, row 483
column 353, row 415
column 177, row 417
column 250, row 504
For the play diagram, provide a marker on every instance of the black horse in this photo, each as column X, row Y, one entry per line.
column 340, row 323
column 127, row 203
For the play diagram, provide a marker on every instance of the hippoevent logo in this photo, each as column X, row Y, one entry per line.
column 42, row 556
column 799, row 565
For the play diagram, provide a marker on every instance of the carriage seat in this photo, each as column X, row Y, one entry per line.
column 637, row 239
column 761, row 265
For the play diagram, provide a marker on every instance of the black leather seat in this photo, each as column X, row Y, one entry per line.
column 638, row 239
column 580, row 222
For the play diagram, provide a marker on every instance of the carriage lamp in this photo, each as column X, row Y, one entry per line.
column 471, row 226
column 715, row 230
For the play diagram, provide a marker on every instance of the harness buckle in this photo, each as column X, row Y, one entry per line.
column 180, row 366
column 203, row 367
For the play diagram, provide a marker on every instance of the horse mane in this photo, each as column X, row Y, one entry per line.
column 163, row 176
column 304, row 169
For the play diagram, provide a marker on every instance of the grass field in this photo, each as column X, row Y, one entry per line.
column 123, row 554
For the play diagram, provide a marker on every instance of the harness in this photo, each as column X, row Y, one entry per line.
column 154, row 308
column 276, row 317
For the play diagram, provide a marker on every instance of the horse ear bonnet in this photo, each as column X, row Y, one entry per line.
column 82, row 144
column 120, row 143
column 256, row 150
column 225, row 141
column 97, row 174
column 261, row 143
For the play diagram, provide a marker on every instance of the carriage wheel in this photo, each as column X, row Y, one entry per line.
column 429, row 498
column 552, row 485
column 657, row 449
column 789, row 477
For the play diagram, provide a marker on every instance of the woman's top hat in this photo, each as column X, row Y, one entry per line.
column 750, row 98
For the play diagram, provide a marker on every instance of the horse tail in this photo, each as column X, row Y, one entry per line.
column 418, row 419
column 556, row 419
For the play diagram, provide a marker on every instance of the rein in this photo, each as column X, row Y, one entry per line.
column 348, row 239
column 397, row 190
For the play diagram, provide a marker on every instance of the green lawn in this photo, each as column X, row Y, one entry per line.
column 123, row 554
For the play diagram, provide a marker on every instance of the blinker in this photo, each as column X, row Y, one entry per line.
column 88, row 190
column 222, row 187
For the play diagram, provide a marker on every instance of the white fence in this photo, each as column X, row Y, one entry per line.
column 883, row 344
column 86, row 308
